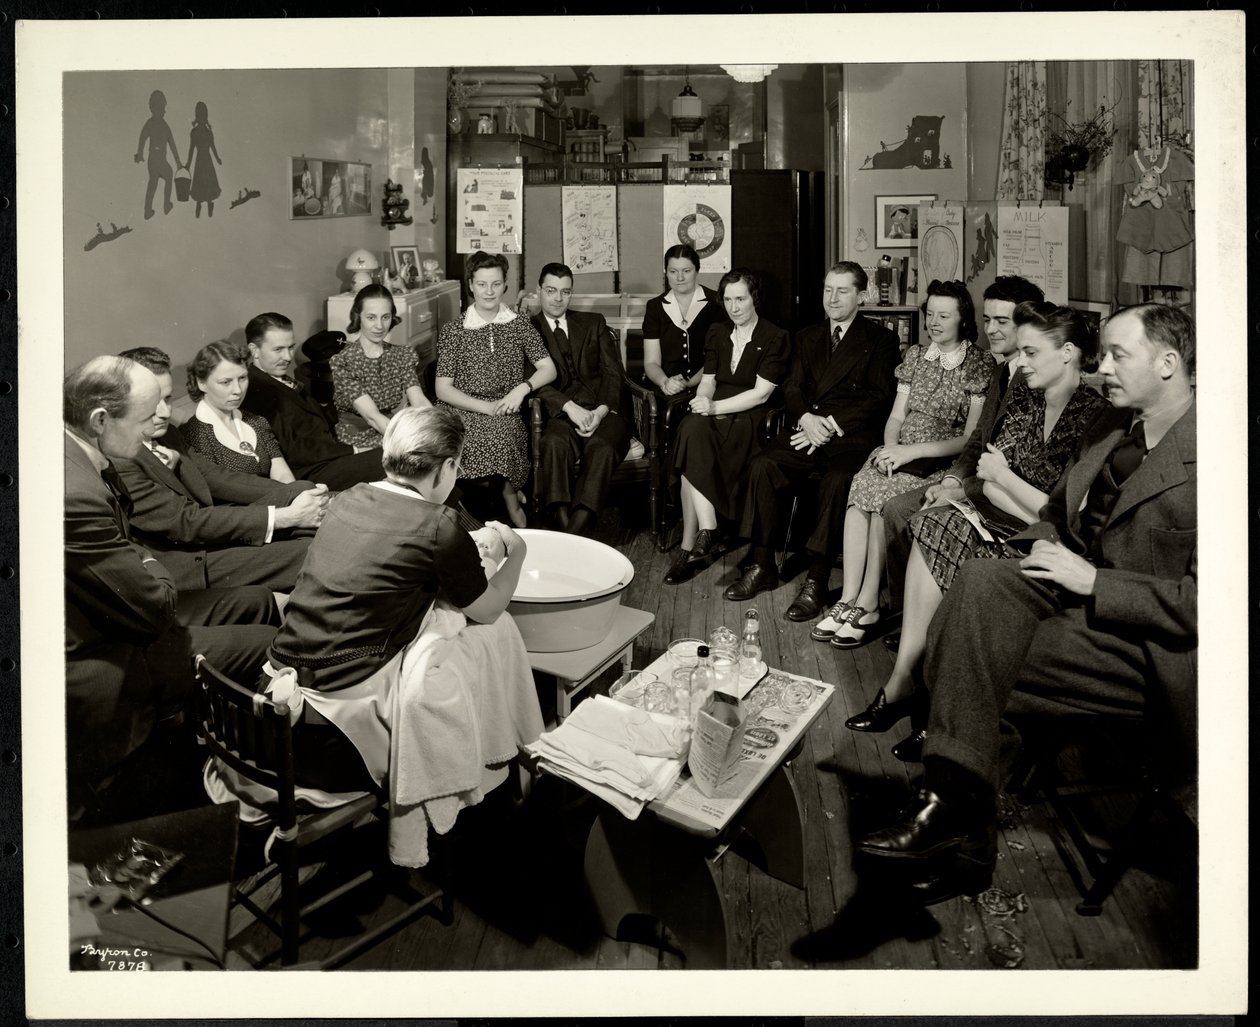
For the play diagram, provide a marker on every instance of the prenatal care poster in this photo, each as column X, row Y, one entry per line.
column 700, row 216
column 1032, row 242
column 489, row 210
column 589, row 218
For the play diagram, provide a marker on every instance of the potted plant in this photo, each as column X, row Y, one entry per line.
column 1073, row 146
column 458, row 93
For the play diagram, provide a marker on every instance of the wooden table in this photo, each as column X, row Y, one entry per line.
column 662, row 864
column 194, row 896
column 575, row 670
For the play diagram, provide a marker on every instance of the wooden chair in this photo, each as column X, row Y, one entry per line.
column 646, row 428
column 252, row 735
column 1105, row 811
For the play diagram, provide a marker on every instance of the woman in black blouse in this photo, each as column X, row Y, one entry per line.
column 744, row 361
column 676, row 324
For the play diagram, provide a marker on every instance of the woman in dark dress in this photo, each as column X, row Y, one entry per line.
column 217, row 378
column 744, row 362
column 481, row 374
column 385, row 551
column 1050, row 407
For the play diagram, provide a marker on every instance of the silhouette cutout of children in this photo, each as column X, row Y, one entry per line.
column 205, row 181
column 158, row 135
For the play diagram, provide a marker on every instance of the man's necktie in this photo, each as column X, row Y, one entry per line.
column 289, row 380
column 1128, row 455
column 562, row 341
column 836, row 335
column 113, row 481
column 157, row 452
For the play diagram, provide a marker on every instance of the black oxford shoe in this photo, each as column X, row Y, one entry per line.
column 808, row 601
column 881, row 714
column 682, row 569
column 755, row 579
column 708, row 543
column 910, row 748
column 929, row 828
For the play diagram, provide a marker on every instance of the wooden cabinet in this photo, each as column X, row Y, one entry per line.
column 423, row 312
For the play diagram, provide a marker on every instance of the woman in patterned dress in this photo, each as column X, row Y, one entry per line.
column 940, row 392
column 371, row 377
column 481, row 375
column 1050, row 408
column 217, row 378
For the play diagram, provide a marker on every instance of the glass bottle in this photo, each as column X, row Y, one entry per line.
column 752, row 626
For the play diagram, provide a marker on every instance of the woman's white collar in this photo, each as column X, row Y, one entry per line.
column 949, row 361
column 474, row 320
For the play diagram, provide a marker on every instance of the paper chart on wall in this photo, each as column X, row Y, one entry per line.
column 940, row 241
column 589, row 222
column 1033, row 242
column 489, row 210
column 700, row 216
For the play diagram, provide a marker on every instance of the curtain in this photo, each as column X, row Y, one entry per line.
column 1022, row 158
column 1095, row 201
column 1165, row 108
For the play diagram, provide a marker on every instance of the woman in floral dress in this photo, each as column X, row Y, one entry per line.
column 481, row 375
column 940, row 392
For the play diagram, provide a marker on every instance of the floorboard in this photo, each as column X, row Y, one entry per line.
column 517, row 871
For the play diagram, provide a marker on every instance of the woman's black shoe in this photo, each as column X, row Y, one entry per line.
column 881, row 714
column 910, row 748
column 708, row 543
column 892, row 642
column 682, row 569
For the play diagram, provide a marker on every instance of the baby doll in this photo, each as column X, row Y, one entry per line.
column 490, row 546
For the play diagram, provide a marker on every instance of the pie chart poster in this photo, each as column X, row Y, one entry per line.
column 700, row 216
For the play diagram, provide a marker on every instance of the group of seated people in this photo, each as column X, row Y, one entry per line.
column 990, row 487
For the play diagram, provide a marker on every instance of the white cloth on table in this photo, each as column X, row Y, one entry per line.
column 622, row 754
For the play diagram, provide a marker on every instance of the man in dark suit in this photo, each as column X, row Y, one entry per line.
column 301, row 425
column 130, row 637
column 1000, row 300
column 582, row 402
column 838, row 395
column 173, row 509
column 1100, row 616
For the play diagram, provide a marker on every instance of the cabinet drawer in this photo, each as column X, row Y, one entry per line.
column 421, row 321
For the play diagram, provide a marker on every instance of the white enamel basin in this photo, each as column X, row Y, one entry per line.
column 569, row 591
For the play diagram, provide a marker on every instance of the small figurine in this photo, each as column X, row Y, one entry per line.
column 485, row 125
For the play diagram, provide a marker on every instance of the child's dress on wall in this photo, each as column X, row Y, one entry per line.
column 1156, row 227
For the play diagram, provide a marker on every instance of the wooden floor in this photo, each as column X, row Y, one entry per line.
column 517, row 870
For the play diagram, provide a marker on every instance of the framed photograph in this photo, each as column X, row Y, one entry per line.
column 329, row 188
column 406, row 264
column 897, row 219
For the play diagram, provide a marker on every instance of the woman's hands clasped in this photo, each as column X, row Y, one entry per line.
column 887, row 459
column 511, row 403
column 702, row 405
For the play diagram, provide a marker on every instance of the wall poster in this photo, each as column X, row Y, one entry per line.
column 489, row 210
column 940, row 241
column 329, row 188
column 700, row 216
column 1032, row 241
column 589, row 223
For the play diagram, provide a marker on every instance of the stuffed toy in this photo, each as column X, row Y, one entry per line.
column 1150, row 190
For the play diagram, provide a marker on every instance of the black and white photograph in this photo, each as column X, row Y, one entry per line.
column 433, row 609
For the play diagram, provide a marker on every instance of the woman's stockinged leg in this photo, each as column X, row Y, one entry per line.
column 873, row 572
column 856, row 529
column 922, row 597
column 689, row 516
column 706, row 515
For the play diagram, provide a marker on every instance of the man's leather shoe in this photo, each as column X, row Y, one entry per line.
column 910, row 748
column 929, row 828
column 892, row 642
column 682, row 569
column 755, row 579
column 808, row 601
column 708, row 543
column 881, row 714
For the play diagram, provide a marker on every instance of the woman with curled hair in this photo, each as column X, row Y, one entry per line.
column 386, row 550
column 1050, row 406
column 940, row 393
column 372, row 377
column 218, row 430
column 745, row 360
column 481, row 373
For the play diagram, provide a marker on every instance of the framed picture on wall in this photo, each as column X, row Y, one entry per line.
column 329, row 188
column 406, row 262
column 897, row 219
